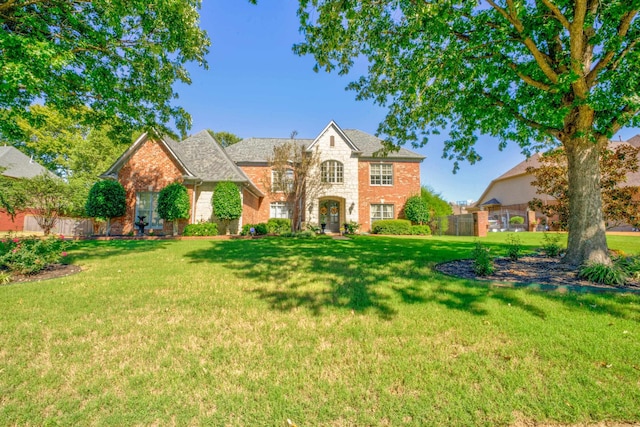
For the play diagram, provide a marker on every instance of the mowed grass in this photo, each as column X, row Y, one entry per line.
column 322, row 332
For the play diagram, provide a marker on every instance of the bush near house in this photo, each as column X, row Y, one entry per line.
column 260, row 229
column 416, row 211
column 420, row 230
column 107, row 199
column 391, row 226
column 201, row 229
column 278, row 226
column 516, row 220
column 173, row 204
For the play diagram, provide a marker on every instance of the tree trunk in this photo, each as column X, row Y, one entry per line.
column 108, row 230
column 587, row 239
column 175, row 227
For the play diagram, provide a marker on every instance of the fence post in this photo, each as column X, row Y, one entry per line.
column 480, row 223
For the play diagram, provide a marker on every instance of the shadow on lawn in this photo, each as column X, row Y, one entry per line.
column 360, row 274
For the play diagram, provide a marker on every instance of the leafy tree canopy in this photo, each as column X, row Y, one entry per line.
column 538, row 73
column 437, row 207
column 416, row 211
column 48, row 196
column 121, row 59
column 107, row 199
column 224, row 138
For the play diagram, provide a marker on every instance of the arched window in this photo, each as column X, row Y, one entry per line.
column 332, row 172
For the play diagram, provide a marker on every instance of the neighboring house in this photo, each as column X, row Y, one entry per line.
column 15, row 164
column 510, row 193
column 362, row 186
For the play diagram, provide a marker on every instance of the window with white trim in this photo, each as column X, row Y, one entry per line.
column 381, row 174
column 147, row 206
column 381, row 211
column 280, row 210
column 332, row 171
column 282, row 180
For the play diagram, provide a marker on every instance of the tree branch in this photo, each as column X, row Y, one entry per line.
column 541, row 59
column 623, row 30
column 557, row 13
column 518, row 116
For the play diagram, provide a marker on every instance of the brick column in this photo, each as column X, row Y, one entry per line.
column 480, row 223
column 531, row 219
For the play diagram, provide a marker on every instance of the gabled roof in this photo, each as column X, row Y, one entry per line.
column 340, row 132
column 258, row 150
column 168, row 143
column 16, row 164
column 199, row 156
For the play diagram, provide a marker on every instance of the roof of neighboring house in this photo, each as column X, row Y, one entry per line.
column 633, row 178
column 258, row 150
column 16, row 164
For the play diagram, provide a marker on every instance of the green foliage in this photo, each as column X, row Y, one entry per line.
column 420, row 230
column 630, row 264
column 482, row 260
column 416, row 210
column 107, row 199
column 224, row 138
column 173, row 202
column 612, row 275
column 121, row 59
column 260, row 229
column 516, row 220
column 29, row 255
column 201, row 229
column 391, row 226
column 226, row 201
column 551, row 245
column 514, row 247
column 351, row 227
column 5, row 277
column 278, row 225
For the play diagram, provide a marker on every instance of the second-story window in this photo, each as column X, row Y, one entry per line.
column 332, row 172
column 282, row 180
column 381, row 174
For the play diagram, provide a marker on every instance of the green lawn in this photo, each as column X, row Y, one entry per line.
column 322, row 332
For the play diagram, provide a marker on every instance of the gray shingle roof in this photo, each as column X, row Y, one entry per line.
column 370, row 144
column 206, row 159
column 18, row 165
column 258, row 150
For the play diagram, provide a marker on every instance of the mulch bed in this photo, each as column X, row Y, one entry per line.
column 533, row 269
column 51, row 272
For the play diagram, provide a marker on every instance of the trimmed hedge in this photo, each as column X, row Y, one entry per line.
column 420, row 230
column 516, row 220
column 391, row 226
column 202, row 229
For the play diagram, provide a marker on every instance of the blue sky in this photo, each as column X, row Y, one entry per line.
column 256, row 87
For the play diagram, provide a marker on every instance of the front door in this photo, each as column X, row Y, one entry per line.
column 330, row 215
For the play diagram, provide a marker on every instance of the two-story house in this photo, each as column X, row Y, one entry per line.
column 360, row 184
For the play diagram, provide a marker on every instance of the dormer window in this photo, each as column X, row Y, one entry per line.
column 332, row 172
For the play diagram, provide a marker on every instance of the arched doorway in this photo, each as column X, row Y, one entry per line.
column 330, row 215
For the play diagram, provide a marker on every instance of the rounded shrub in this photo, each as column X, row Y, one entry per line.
column 391, row 226
column 516, row 220
column 416, row 211
column 202, row 229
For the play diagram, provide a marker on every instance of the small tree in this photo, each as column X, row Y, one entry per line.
column 107, row 199
column 226, row 202
column 173, row 204
column 416, row 211
column 296, row 177
column 48, row 196
column 437, row 207
column 618, row 202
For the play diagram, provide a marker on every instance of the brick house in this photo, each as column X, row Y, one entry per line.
column 360, row 186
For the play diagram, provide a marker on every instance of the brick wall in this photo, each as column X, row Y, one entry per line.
column 406, row 183
column 17, row 224
column 256, row 210
column 150, row 168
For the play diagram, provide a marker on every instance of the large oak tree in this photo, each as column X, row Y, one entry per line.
column 535, row 72
column 120, row 58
